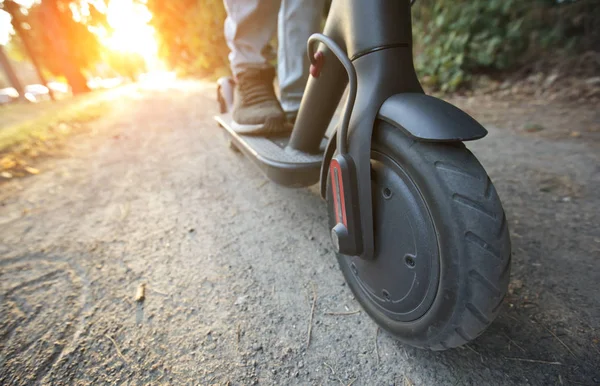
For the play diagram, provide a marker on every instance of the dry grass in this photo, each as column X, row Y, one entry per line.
column 43, row 125
column 38, row 130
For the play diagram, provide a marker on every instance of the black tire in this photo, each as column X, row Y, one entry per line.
column 471, row 266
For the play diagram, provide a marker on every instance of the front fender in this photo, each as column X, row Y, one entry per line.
column 422, row 117
column 427, row 118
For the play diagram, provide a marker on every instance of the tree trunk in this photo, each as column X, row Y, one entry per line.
column 13, row 9
column 62, row 50
column 10, row 74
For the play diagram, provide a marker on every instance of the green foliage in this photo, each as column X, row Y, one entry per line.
column 457, row 38
column 454, row 39
column 190, row 34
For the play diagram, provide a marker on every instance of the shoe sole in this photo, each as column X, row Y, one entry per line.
column 271, row 126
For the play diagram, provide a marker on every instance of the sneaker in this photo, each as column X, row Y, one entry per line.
column 256, row 110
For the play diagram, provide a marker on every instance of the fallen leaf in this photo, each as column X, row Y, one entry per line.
column 7, row 163
column 575, row 134
column 32, row 170
column 140, row 294
column 6, row 175
column 515, row 285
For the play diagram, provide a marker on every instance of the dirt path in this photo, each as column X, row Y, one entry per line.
column 154, row 196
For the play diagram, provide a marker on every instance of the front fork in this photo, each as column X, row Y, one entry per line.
column 380, row 74
column 378, row 37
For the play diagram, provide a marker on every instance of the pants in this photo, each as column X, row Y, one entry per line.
column 251, row 24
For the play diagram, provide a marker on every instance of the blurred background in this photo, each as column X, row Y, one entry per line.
column 54, row 48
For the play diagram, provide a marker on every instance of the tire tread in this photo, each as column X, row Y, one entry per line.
column 495, row 291
column 475, row 197
column 481, row 243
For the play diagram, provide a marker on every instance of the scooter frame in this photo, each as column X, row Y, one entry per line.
column 376, row 38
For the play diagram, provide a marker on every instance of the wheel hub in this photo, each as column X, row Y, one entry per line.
column 402, row 280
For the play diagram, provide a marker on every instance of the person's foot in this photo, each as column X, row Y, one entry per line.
column 256, row 109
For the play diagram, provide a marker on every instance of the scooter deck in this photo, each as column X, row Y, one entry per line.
column 280, row 164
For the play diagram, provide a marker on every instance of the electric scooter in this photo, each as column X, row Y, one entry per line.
column 417, row 226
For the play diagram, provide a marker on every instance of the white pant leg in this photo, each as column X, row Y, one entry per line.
column 249, row 26
column 298, row 19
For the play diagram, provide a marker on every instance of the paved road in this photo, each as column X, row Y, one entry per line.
column 152, row 195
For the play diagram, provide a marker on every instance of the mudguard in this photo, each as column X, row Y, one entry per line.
column 427, row 118
column 422, row 117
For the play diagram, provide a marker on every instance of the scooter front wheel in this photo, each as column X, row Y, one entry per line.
column 442, row 248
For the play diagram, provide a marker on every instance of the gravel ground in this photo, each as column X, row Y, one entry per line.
column 152, row 195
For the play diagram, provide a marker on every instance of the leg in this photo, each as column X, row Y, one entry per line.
column 249, row 26
column 298, row 19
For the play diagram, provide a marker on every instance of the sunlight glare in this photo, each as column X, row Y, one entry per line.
column 131, row 31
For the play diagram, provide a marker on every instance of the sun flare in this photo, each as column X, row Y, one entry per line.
column 130, row 29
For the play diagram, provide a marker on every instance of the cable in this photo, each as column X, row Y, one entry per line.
column 343, row 58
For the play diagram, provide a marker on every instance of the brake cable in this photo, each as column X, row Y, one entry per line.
column 345, row 61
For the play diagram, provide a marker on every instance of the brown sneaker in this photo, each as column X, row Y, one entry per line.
column 256, row 110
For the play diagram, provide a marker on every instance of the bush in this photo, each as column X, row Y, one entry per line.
column 454, row 39
column 458, row 38
column 190, row 34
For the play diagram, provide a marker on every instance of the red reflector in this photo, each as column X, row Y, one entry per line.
column 337, row 188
